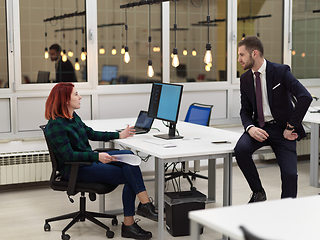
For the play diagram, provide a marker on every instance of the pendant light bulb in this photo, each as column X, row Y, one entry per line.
column 150, row 71
column 70, row 53
column 61, row 53
column 175, row 59
column 194, row 52
column 207, row 68
column 208, row 56
column 114, row 51
column 123, row 50
column 46, row 54
column 64, row 57
column 83, row 55
column 77, row 65
column 126, row 57
column 185, row 52
column 102, row 50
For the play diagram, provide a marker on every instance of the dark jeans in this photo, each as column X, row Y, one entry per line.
column 285, row 151
column 116, row 173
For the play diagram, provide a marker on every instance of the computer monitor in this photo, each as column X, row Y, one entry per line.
column 164, row 104
column 109, row 72
column 43, row 77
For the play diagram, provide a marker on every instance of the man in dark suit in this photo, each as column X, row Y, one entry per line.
column 64, row 70
column 269, row 117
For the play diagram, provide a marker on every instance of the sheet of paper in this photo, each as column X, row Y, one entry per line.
column 128, row 158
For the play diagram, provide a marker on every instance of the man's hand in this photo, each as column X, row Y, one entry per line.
column 106, row 158
column 290, row 135
column 258, row 134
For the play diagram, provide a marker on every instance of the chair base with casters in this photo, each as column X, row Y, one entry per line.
column 81, row 216
column 73, row 187
column 188, row 175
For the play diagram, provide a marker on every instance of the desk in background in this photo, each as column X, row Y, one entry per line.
column 314, row 119
column 285, row 219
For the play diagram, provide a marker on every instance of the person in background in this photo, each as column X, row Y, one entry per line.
column 269, row 117
column 68, row 136
column 64, row 70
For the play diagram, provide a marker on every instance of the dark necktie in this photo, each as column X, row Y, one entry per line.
column 259, row 99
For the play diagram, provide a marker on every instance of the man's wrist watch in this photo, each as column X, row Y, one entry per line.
column 289, row 128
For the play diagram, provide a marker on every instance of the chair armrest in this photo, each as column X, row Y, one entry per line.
column 105, row 149
column 74, row 176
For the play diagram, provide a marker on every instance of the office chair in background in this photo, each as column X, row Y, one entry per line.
column 198, row 113
column 248, row 235
column 72, row 187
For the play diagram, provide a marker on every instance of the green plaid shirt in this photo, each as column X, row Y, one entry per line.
column 68, row 139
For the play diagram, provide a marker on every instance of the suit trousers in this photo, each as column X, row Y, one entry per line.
column 285, row 152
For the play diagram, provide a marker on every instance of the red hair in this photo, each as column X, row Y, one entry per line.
column 56, row 105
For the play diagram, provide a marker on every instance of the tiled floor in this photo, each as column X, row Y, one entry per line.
column 22, row 212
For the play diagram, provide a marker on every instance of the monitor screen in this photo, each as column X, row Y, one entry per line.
column 164, row 103
column 43, row 77
column 109, row 72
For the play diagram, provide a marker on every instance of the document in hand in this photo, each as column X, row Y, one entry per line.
column 128, row 158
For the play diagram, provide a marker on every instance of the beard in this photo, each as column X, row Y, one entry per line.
column 249, row 64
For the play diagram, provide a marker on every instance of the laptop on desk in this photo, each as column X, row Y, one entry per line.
column 143, row 123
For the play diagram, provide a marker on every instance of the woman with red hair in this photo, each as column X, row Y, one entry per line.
column 68, row 136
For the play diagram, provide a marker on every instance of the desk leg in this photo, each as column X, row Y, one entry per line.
column 227, row 180
column 160, row 198
column 194, row 230
column 156, row 181
column 212, row 180
column 314, row 155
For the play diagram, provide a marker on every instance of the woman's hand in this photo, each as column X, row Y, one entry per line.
column 127, row 132
column 106, row 158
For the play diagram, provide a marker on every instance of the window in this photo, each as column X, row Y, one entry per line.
column 191, row 38
column 4, row 83
column 305, row 39
column 47, row 22
column 113, row 38
column 264, row 19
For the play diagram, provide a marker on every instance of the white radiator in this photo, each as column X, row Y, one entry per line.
column 24, row 167
column 303, row 148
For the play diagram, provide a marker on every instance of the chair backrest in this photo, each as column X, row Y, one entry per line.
column 199, row 113
column 54, row 163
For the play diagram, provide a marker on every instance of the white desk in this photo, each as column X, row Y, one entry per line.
column 286, row 219
column 195, row 145
column 314, row 119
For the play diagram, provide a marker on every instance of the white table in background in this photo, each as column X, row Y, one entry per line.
column 286, row 219
column 196, row 145
column 314, row 119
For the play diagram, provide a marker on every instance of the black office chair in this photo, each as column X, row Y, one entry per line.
column 72, row 187
column 198, row 113
column 248, row 235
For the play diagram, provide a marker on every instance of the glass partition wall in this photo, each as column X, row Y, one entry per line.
column 193, row 35
column 47, row 22
column 264, row 19
column 4, row 83
column 305, row 39
column 114, row 37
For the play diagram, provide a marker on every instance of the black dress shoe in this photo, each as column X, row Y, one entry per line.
column 258, row 196
column 134, row 231
column 147, row 210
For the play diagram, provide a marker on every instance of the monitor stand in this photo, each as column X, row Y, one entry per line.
column 171, row 134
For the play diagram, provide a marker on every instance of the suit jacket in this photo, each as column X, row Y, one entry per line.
column 65, row 72
column 281, row 84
